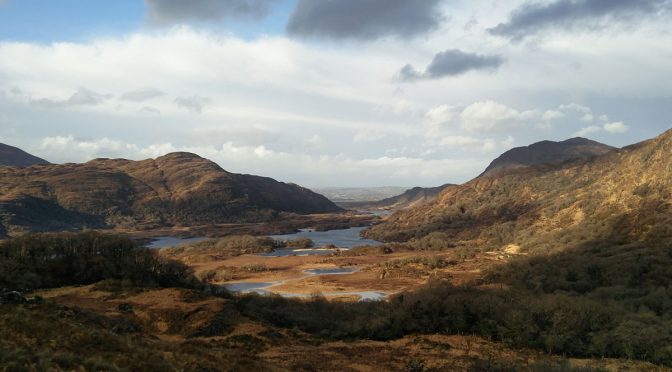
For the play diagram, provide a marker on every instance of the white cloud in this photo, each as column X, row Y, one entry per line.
column 276, row 92
column 587, row 131
column 441, row 114
column 588, row 118
column 481, row 116
column 489, row 115
column 615, row 127
column 551, row 115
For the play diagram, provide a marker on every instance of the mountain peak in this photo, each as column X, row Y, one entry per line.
column 11, row 156
column 180, row 154
column 545, row 152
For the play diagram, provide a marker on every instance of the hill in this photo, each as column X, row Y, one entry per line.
column 408, row 199
column 353, row 195
column 545, row 152
column 14, row 157
column 621, row 196
column 175, row 189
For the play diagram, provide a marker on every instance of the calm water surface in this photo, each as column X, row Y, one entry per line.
column 343, row 239
column 171, row 241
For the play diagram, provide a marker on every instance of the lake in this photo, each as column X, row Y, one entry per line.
column 343, row 239
column 264, row 288
column 171, row 241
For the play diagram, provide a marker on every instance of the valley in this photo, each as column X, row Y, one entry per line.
column 510, row 270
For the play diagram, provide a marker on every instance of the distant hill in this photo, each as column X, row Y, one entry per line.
column 545, row 152
column 622, row 196
column 14, row 157
column 349, row 195
column 175, row 189
column 409, row 198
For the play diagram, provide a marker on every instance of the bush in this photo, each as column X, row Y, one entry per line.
column 58, row 259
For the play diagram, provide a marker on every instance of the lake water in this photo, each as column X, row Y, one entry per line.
column 263, row 288
column 343, row 239
column 171, row 241
column 335, row 271
column 250, row 287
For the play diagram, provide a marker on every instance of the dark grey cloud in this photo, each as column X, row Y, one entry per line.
column 532, row 18
column 168, row 12
column 140, row 95
column 364, row 19
column 452, row 62
column 82, row 97
column 194, row 103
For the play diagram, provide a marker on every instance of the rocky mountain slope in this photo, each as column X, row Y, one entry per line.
column 175, row 189
column 623, row 195
column 546, row 152
column 14, row 157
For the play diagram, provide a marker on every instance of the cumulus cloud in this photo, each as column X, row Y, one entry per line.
column 194, row 103
column 532, row 18
column 481, row 116
column 168, row 12
column 364, row 19
column 452, row 62
column 587, row 131
column 141, row 95
column 489, row 115
column 82, row 97
column 551, row 115
column 616, row 127
column 613, row 128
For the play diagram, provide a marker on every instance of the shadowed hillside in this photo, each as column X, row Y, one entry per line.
column 14, row 157
column 552, row 207
column 175, row 189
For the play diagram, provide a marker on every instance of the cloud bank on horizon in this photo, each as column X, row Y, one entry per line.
column 332, row 92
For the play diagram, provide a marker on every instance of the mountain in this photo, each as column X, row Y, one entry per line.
column 621, row 196
column 175, row 189
column 545, row 152
column 14, row 157
column 409, row 198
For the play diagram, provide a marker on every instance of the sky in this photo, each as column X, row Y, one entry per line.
column 351, row 93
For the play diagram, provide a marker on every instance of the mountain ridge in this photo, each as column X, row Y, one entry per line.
column 174, row 189
column 623, row 194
